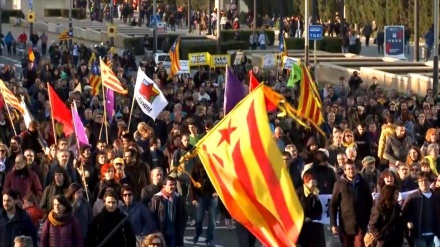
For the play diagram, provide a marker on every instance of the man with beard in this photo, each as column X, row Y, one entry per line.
column 137, row 170
column 29, row 138
column 32, row 165
column 153, row 188
column 15, row 148
column 14, row 221
column 63, row 162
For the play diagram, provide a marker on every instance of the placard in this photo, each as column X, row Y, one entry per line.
column 198, row 59
column 269, row 61
column 184, row 67
column 395, row 42
column 288, row 62
column 238, row 56
column 220, row 60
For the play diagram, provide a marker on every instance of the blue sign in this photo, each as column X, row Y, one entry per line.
column 70, row 33
column 154, row 19
column 395, row 42
column 31, row 4
column 315, row 32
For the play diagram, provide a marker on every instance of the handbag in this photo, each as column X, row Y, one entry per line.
column 369, row 237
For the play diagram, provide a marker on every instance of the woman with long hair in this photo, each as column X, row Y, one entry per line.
column 61, row 228
column 386, row 222
column 154, row 240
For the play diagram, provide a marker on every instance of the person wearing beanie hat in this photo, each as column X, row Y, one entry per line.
column 369, row 172
column 324, row 173
column 82, row 210
column 59, row 185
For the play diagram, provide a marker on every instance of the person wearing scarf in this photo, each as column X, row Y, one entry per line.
column 61, row 228
column 308, row 197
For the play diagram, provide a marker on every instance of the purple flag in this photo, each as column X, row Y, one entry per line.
column 234, row 91
column 110, row 104
column 79, row 127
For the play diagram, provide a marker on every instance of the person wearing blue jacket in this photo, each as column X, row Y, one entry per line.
column 138, row 215
column 8, row 42
column 14, row 221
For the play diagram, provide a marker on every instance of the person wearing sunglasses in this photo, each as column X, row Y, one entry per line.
column 410, row 182
column 139, row 217
column 154, row 240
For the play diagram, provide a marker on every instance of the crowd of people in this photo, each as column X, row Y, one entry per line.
column 126, row 187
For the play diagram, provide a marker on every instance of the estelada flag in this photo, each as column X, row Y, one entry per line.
column 109, row 79
column 10, row 98
column 60, row 112
column 246, row 168
column 148, row 95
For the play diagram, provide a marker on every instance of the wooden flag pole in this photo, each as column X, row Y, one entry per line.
column 131, row 114
column 51, row 116
column 9, row 115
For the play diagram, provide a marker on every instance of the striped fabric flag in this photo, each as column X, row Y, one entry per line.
column 109, row 79
column 10, row 98
column 175, row 57
column 95, row 78
column 31, row 55
column 309, row 106
column 64, row 36
column 246, row 168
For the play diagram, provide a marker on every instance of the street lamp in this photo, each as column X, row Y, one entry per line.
column 70, row 25
column 435, row 58
column 416, row 31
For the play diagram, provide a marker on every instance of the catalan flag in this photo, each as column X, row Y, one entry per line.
column 309, row 106
column 246, row 168
column 95, row 78
column 110, row 80
column 10, row 98
column 31, row 55
column 64, row 36
column 175, row 57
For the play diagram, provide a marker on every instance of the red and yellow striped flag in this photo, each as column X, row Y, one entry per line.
column 95, row 76
column 109, row 79
column 174, row 54
column 309, row 106
column 10, row 98
column 246, row 168
column 63, row 36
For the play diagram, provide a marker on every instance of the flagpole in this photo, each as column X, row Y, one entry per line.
column 51, row 116
column 131, row 113
column 79, row 147
column 9, row 114
column 105, row 112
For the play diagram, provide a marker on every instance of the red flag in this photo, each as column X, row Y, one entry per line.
column 253, row 82
column 60, row 112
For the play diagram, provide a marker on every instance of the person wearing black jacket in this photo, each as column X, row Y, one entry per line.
column 205, row 198
column 352, row 201
column 421, row 212
column 308, row 197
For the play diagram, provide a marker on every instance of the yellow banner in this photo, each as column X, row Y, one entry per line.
column 220, row 60
column 199, row 59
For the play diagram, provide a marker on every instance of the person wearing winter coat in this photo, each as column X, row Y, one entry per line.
column 106, row 221
column 81, row 208
column 61, row 228
column 308, row 197
column 58, row 187
column 386, row 222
